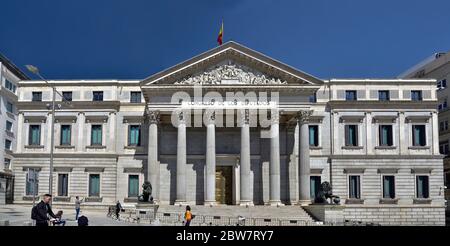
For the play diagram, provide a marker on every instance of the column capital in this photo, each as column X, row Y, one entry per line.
column 181, row 117
column 245, row 116
column 210, row 117
column 154, row 116
column 303, row 116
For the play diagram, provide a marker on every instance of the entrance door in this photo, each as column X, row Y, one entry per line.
column 224, row 186
column 314, row 186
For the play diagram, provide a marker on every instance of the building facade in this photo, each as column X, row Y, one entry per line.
column 10, row 75
column 437, row 67
column 233, row 126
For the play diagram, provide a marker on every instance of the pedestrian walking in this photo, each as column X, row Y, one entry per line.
column 77, row 206
column 42, row 211
column 188, row 216
column 118, row 209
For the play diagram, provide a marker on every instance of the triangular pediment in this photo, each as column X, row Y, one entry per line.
column 228, row 64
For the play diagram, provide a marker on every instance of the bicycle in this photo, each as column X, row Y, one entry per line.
column 112, row 212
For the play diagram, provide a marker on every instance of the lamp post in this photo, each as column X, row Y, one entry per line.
column 35, row 71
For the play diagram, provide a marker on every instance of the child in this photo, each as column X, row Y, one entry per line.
column 58, row 220
column 188, row 216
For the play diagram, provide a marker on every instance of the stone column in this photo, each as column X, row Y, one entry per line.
column 210, row 199
column 153, row 164
column 303, row 157
column 274, row 166
column 111, row 144
column 20, row 135
column 81, row 132
column 181, row 160
column 246, row 196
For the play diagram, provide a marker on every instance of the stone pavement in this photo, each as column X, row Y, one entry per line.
column 19, row 215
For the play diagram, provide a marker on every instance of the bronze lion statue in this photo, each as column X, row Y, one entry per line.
column 325, row 193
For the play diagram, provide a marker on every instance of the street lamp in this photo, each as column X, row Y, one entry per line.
column 35, row 71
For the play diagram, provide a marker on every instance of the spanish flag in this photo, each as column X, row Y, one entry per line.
column 219, row 38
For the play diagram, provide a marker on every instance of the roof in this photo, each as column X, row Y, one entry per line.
column 427, row 65
column 13, row 68
column 231, row 50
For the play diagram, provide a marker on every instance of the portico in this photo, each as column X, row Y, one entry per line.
column 231, row 103
column 240, row 163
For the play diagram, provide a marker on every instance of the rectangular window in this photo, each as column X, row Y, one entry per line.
column 350, row 95
column 96, row 135
column 97, row 96
column 418, row 135
column 386, row 138
column 313, row 98
column 8, row 144
column 29, row 189
column 383, row 95
column 67, row 95
column 134, row 135
column 313, row 135
column 315, row 182
column 416, row 95
column 10, row 107
column 354, row 187
column 351, row 135
column 65, row 134
column 36, row 96
column 441, row 126
column 133, row 185
column 443, row 148
column 9, row 126
column 135, row 97
column 10, row 86
column 63, row 184
column 7, row 164
column 388, row 187
column 422, row 186
column 441, row 84
column 34, row 135
column 94, row 185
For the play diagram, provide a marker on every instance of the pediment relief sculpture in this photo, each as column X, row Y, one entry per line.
column 229, row 74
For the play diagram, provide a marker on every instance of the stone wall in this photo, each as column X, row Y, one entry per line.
column 404, row 215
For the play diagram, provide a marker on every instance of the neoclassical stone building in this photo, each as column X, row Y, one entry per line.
column 233, row 126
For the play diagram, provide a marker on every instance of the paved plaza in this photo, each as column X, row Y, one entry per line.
column 19, row 215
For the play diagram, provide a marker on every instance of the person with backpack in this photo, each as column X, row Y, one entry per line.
column 188, row 216
column 41, row 212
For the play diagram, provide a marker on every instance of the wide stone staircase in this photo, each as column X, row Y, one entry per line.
column 236, row 216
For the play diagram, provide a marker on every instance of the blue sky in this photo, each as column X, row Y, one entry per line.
column 132, row 39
